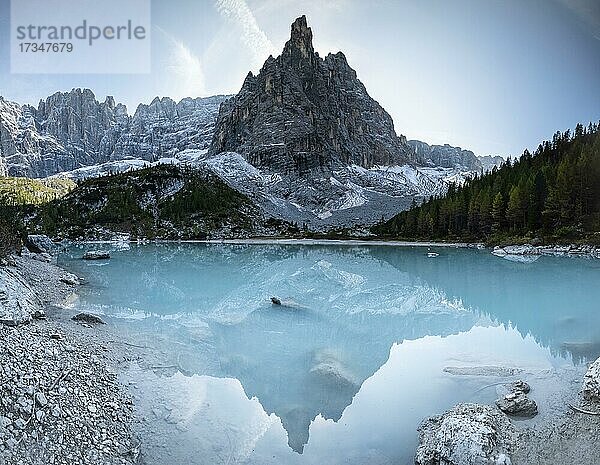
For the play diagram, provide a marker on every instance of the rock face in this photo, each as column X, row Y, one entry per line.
column 39, row 243
column 72, row 129
column 446, row 156
column 591, row 382
column 303, row 113
column 18, row 302
column 468, row 434
column 488, row 162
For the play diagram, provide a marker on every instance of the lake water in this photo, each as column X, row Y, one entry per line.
column 370, row 340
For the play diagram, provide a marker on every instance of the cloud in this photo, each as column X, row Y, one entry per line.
column 253, row 37
column 184, row 74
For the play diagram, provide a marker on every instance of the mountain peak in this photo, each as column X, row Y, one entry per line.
column 300, row 46
column 300, row 28
column 303, row 114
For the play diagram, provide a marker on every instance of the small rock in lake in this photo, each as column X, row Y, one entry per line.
column 88, row 318
column 96, row 255
column 519, row 386
column 70, row 279
column 517, row 404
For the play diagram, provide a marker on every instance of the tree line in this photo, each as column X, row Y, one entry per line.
column 552, row 194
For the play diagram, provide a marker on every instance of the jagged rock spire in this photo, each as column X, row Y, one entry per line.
column 299, row 48
column 303, row 114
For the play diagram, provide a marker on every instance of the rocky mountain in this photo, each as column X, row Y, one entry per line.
column 302, row 139
column 446, row 156
column 303, row 113
column 489, row 161
column 72, row 130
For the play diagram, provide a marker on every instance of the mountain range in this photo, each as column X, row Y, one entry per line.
column 302, row 139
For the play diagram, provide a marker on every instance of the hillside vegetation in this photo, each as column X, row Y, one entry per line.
column 159, row 202
column 17, row 194
column 552, row 195
column 25, row 191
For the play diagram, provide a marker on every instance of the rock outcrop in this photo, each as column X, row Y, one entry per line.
column 488, row 162
column 446, row 156
column 72, row 129
column 468, row 434
column 303, row 113
column 517, row 403
column 40, row 243
column 591, row 382
column 18, row 303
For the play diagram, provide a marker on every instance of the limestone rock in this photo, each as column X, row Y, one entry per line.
column 517, row 404
column 40, row 243
column 591, row 382
column 69, row 130
column 488, row 162
column 526, row 249
column 468, row 434
column 88, row 318
column 96, row 255
column 18, row 302
column 519, row 386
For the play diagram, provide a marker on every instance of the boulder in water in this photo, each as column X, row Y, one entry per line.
column 88, row 318
column 517, row 404
column 96, row 255
column 519, row 386
column 468, row 434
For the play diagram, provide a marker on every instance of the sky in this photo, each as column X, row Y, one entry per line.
column 492, row 76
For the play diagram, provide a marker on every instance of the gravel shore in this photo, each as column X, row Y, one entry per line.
column 60, row 400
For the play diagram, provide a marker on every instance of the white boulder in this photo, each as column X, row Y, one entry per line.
column 18, row 302
column 591, row 382
column 96, row 255
column 468, row 434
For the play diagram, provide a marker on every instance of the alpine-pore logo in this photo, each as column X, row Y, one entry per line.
column 80, row 36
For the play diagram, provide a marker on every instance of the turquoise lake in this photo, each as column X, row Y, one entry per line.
column 369, row 341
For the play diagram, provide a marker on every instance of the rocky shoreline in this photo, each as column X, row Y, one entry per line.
column 60, row 399
column 477, row 434
column 529, row 250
